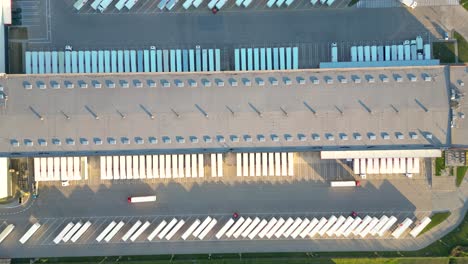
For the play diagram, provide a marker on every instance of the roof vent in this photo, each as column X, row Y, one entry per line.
column 220, row 139
column 301, row 137
column 82, row 84
column 28, row 142
column 110, row 84
column 27, row 85
column 192, row 83
column 55, row 85
column 84, row 141
column 429, row 135
column 288, row 137
column 41, row 85
column 287, row 81
column 357, row 79
column 260, row 81
column 179, row 83
column 69, row 85
column 261, row 138
column 138, row 84
column 233, row 82
column 372, row 136
column 328, row 80
column 207, row 139
column 166, row 140
column 427, row 78
column 330, row 137
column 70, row 141
column 152, row 140
column 56, row 141
column 124, row 84
column 412, row 77
column 180, row 139
column 125, row 140
column 97, row 84
column 246, row 82
column 343, row 79
column 370, row 79
column 112, row 141
column 385, row 136
column 357, row 136
column 399, row 135
column 97, row 141
column 206, row 83
column 139, row 140
column 151, row 83
column 42, row 142
column 234, row 138
column 273, row 81
column 300, row 80
column 219, row 82
column 343, row 137
column 275, row 138
column 194, row 139
column 316, row 137
column 247, row 138
column 14, row 143
column 314, row 80
column 165, row 84
column 413, row 135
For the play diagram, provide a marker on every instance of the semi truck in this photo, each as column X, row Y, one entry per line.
column 345, row 183
column 141, row 199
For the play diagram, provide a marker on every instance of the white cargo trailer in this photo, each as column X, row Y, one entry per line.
column 331, row 231
column 223, row 229
column 352, row 227
column 156, row 231
column 72, row 231
column 175, row 229
column 208, row 228
column 402, row 228
column 203, row 225
column 275, row 228
column 331, row 221
column 6, row 232
column 362, row 225
column 284, row 227
column 345, row 226
column 293, row 227
column 168, row 228
column 64, row 231
column 241, row 229
column 344, row 183
column 80, row 232
column 383, row 220
column 142, row 199
column 300, row 228
column 29, row 233
column 140, row 231
column 249, row 229
column 190, row 230
column 257, row 229
column 234, row 228
column 420, row 226
column 131, row 230
column 267, row 228
column 101, row 236
column 114, row 231
column 391, row 221
column 323, row 221
column 309, row 227
column 369, row 227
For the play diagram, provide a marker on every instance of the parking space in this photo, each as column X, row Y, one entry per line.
column 35, row 15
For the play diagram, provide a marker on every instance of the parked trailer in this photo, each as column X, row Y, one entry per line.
column 223, row 230
column 131, row 230
column 362, row 225
column 140, row 231
column 6, row 232
column 373, row 53
column 419, row 227
column 64, row 231
column 345, row 226
column 331, row 221
column 207, row 229
column 313, row 223
column 79, row 4
column 114, row 231
column 157, row 230
column 367, row 53
column 360, row 52
column 331, row 231
column 407, row 47
column 175, row 229
column 72, row 231
column 402, row 228
column 104, row 4
column 394, row 56
column 388, row 53
column 369, row 227
column 249, row 229
column 168, row 228
column 190, row 230
column 380, row 53
column 323, row 221
column 354, row 57
column 203, row 225
column 29, row 233
column 95, row 4
column 234, row 228
column 284, row 227
column 130, row 4
column 300, row 228
column 106, row 231
column 257, row 229
column 334, row 52
column 171, row 4
column 427, row 51
column 383, row 220
column 391, row 221
column 414, row 50
column 275, row 228
column 293, row 227
column 267, row 228
column 357, row 221
column 345, row 183
column 241, row 229
column 120, row 4
column 80, row 232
